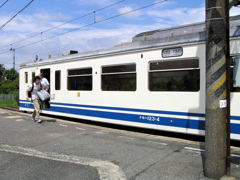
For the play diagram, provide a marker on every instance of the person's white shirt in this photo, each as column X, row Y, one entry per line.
column 36, row 88
column 44, row 81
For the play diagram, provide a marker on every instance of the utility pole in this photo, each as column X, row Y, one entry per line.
column 13, row 50
column 13, row 58
column 216, row 89
column 217, row 126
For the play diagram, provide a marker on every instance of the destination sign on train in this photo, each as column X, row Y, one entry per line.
column 173, row 52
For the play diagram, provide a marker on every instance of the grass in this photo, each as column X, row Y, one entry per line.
column 9, row 103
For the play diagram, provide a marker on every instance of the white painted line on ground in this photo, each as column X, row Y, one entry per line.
column 194, row 149
column 80, row 128
column 19, row 120
column 99, row 132
column 106, row 170
column 63, row 125
column 163, row 144
column 10, row 114
column 126, row 137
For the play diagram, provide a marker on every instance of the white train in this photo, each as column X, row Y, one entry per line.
column 157, row 81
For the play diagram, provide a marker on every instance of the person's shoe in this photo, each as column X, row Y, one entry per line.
column 39, row 121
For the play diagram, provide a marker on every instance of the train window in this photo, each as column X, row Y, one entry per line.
column 26, row 77
column 181, row 75
column 80, row 71
column 234, row 74
column 119, row 78
column 33, row 75
column 57, row 80
column 80, row 79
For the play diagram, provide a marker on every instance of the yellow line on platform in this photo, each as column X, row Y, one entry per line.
column 12, row 117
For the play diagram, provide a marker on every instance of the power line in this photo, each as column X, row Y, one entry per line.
column 80, row 17
column 103, row 20
column 8, row 63
column 4, row 3
column 15, row 15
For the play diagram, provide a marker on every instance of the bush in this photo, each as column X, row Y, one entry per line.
column 9, row 103
column 16, row 98
column 9, row 85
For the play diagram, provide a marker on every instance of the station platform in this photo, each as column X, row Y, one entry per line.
column 59, row 149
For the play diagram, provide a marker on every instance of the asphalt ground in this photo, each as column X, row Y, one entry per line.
column 58, row 149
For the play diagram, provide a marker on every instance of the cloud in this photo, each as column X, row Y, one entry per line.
column 82, row 40
column 181, row 16
column 178, row 16
column 91, row 38
column 126, row 9
column 36, row 22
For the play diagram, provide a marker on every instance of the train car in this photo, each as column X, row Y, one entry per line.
column 156, row 81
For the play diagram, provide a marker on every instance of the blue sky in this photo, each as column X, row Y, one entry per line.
column 42, row 15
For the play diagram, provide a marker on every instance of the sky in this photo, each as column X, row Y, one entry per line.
column 42, row 15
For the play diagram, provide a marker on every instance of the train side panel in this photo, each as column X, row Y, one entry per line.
column 181, row 111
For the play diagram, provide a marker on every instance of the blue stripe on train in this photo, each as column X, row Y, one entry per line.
column 130, row 109
column 158, row 120
column 165, row 121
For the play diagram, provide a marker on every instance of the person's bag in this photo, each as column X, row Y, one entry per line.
column 43, row 95
column 45, row 104
column 30, row 92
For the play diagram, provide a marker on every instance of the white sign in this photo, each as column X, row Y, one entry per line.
column 223, row 103
column 52, row 96
column 173, row 52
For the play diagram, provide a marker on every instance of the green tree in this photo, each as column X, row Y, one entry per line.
column 10, row 87
column 10, row 75
column 10, row 83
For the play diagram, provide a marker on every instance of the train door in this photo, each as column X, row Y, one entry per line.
column 46, row 74
column 235, row 74
column 235, row 97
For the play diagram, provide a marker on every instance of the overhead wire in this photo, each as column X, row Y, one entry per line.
column 15, row 15
column 90, row 24
column 9, row 63
column 4, row 3
column 80, row 17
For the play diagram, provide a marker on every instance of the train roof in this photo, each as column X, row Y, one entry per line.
column 150, row 39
